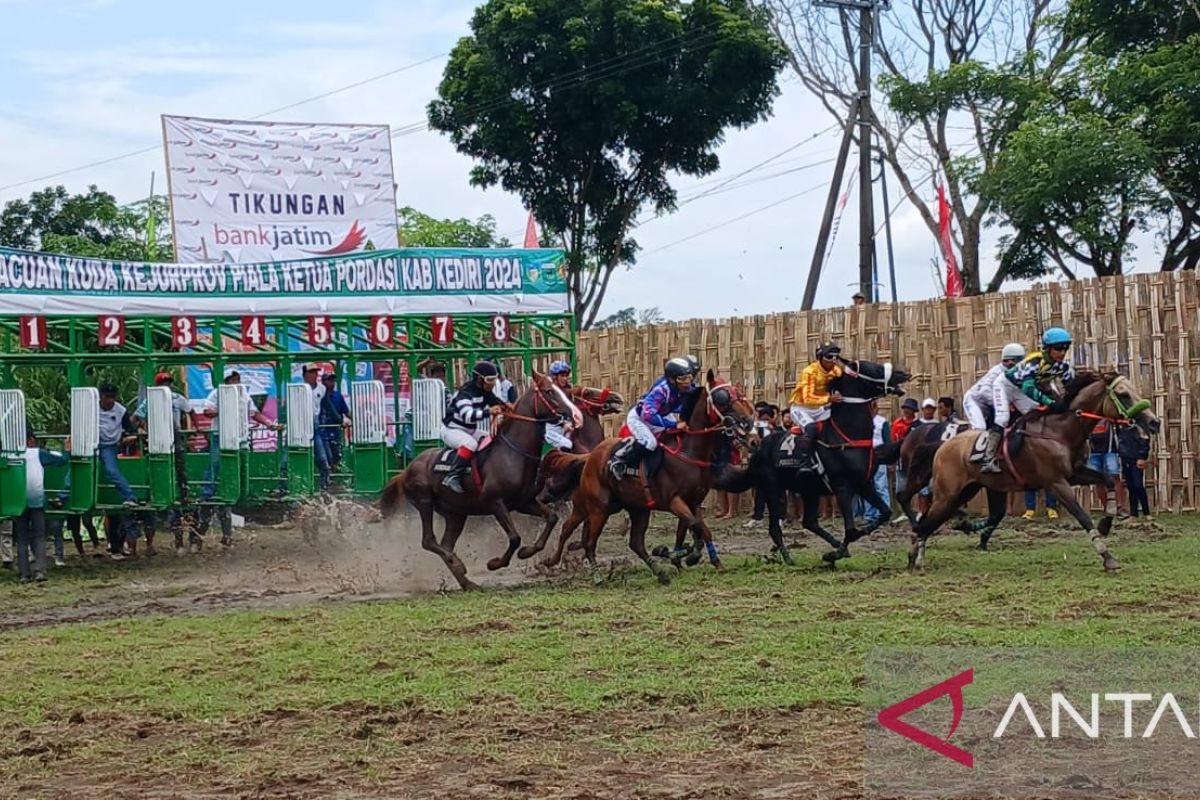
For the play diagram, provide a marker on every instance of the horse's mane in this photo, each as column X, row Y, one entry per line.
column 689, row 404
column 1084, row 377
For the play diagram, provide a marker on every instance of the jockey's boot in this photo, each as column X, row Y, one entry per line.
column 458, row 468
column 990, row 462
column 628, row 460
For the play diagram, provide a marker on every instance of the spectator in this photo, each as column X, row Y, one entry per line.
column 928, row 411
column 881, row 435
column 1134, row 449
column 320, row 444
column 29, row 529
column 767, row 422
column 1105, row 459
column 116, row 429
column 858, row 298
column 928, row 417
column 334, row 416
column 6, row 544
column 945, row 410
column 1031, row 505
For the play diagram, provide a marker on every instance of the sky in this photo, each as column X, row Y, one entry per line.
column 87, row 80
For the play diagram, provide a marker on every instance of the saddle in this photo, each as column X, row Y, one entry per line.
column 789, row 454
column 445, row 459
column 1010, row 447
column 650, row 465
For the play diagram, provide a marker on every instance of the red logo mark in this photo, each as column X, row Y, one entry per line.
column 890, row 717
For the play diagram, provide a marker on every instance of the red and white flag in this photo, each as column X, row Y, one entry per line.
column 954, row 281
column 531, row 236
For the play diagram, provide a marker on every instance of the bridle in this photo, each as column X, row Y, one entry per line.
column 852, row 369
column 1125, row 414
column 597, row 407
column 539, row 397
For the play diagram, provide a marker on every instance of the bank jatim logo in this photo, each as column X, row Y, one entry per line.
column 351, row 243
column 891, row 717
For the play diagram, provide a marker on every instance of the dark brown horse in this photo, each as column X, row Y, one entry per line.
column 507, row 479
column 679, row 485
column 1047, row 456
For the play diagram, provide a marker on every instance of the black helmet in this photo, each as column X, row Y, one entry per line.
column 828, row 350
column 693, row 363
column 485, row 369
column 677, row 368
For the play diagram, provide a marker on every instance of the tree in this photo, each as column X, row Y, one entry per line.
column 1147, row 66
column 585, row 107
column 422, row 230
column 952, row 70
column 630, row 318
column 90, row 224
column 93, row 225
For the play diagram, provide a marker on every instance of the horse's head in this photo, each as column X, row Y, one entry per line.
column 867, row 379
column 1112, row 395
column 732, row 408
column 547, row 396
column 597, row 402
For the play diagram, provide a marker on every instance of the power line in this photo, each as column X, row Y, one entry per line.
column 296, row 104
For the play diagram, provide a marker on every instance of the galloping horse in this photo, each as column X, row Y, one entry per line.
column 505, row 479
column 676, row 477
column 1042, row 451
column 594, row 403
column 846, row 451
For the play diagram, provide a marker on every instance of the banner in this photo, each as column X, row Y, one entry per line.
column 384, row 282
column 271, row 191
column 954, row 281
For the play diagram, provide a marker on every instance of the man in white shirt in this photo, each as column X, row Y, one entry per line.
column 320, row 446
column 114, row 419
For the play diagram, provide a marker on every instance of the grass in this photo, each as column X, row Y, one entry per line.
column 750, row 638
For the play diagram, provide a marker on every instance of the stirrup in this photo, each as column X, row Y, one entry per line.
column 992, row 465
column 453, row 482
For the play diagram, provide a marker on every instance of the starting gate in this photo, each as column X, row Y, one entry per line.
column 396, row 364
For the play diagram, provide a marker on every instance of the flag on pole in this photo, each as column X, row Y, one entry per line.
column 531, row 237
column 954, row 281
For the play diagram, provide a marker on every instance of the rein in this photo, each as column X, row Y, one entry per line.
column 594, row 407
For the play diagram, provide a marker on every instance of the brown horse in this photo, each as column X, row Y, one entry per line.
column 507, row 473
column 594, row 403
column 679, row 485
column 1047, row 452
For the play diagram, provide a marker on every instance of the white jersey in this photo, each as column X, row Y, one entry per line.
column 984, row 389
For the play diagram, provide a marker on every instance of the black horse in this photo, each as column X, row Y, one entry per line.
column 845, row 449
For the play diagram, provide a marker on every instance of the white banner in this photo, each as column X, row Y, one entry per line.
column 271, row 191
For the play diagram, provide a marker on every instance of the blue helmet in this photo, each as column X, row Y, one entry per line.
column 560, row 368
column 1055, row 336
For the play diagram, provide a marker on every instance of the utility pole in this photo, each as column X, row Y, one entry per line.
column 860, row 114
column 887, row 225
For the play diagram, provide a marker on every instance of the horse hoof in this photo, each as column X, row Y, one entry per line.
column 662, row 551
column 1111, row 564
column 663, row 578
column 495, row 563
column 597, row 577
column 787, row 557
column 471, row 587
column 717, row 564
column 831, row 557
column 526, row 552
column 573, row 546
column 692, row 560
column 1105, row 526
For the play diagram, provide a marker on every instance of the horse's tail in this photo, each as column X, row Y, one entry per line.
column 563, row 472
column 734, row 479
column 393, row 495
column 888, row 453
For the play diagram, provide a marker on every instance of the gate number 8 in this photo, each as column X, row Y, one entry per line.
column 500, row 328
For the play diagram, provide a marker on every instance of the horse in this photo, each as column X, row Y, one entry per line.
column 594, row 403
column 504, row 477
column 675, row 478
column 1041, row 451
column 846, row 452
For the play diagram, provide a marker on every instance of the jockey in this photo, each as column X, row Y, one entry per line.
column 460, row 427
column 811, row 398
column 556, row 437
column 988, row 392
column 1022, row 386
column 649, row 416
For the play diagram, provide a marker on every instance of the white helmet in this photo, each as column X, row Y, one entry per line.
column 1012, row 350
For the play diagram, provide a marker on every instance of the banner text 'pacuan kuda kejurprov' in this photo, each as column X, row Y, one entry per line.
column 391, row 282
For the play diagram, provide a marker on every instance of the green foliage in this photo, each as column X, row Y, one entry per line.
column 585, row 107
column 630, row 317
column 1113, row 27
column 93, row 225
column 422, row 230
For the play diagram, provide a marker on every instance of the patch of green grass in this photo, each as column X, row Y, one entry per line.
column 749, row 637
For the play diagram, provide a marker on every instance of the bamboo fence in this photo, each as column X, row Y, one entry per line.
column 1143, row 325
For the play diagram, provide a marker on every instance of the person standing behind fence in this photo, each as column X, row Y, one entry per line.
column 1106, row 459
column 334, row 415
column 882, row 435
column 29, row 529
column 115, row 424
column 1135, row 451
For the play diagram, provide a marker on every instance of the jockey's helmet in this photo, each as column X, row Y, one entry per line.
column 693, row 364
column 677, row 368
column 560, row 368
column 1056, row 336
column 1012, row 350
column 485, row 369
column 828, row 350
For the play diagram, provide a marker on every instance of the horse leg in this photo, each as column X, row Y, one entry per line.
column 812, row 520
column 679, row 553
column 1062, row 490
column 997, row 506
column 430, row 543
column 775, row 509
column 940, row 510
column 596, row 519
column 845, row 501
column 573, row 521
column 680, row 508
column 639, row 521
column 500, row 512
column 537, row 507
